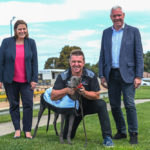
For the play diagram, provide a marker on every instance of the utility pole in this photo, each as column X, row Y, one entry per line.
column 11, row 25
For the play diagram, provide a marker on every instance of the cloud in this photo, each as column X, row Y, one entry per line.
column 50, row 43
column 146, row 45
column 77, row 34
column 73, row 35
column 36, row 12
column 69, row 10
column 145, row 37
column 142, row 26
column 90, row 5
column 94, row 44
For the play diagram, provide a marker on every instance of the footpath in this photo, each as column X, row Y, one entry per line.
column 7, row 128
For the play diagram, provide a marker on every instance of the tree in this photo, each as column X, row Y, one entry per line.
column 94, row 68
column 147, row 62
column 51, row 63
column 63, row 61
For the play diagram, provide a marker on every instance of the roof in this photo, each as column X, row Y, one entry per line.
column 51, row 70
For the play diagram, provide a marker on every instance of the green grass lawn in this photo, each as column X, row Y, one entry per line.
column 50, row 141
column 143, row 92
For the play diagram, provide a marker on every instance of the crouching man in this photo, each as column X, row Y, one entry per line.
column 90, row 95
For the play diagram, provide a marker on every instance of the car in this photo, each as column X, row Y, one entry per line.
column 145, row 82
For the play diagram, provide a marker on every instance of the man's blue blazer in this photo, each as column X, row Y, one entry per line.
column 131, row 54
column 7, row 60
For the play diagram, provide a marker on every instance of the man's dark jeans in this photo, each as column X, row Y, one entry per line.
column 92, row 107
column 116, row 86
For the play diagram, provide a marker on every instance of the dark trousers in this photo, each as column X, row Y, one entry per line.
column 116, row 87
column 14, row 91
column 92, row 107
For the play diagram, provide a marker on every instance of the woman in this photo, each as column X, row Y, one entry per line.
column 19, row 74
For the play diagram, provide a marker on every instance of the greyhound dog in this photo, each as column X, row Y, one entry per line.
column 75, row 82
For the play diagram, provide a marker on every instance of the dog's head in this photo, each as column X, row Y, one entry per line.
column 74, row 82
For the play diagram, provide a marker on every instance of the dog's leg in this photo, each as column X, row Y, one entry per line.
column 56, row 115
column 42, row 108
column 62, row 129
column 49, row 115
column 71, row 120
column 81, row 107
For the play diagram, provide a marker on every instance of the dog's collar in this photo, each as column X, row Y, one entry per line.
column 79, row 86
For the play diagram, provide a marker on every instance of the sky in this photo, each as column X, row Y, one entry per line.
column 54, row 24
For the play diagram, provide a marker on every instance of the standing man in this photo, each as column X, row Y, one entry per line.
column 121, row 70
column 90, row 95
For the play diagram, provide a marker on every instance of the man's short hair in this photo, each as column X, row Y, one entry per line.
column 77, row 52
column 115, row 7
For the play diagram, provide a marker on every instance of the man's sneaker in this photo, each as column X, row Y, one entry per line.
column 108, row 142
column 119, row 135
column 133, row 138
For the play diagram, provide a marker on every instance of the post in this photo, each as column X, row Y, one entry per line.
column 11, row 25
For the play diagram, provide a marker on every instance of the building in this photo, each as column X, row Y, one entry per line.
column 146, row 75
column 48, row 76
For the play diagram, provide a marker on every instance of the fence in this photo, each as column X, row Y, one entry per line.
column 4, row 97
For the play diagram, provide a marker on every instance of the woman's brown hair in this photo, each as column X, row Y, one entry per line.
column 18, row 22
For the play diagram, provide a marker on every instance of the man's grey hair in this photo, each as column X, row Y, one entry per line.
column 115, row 7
